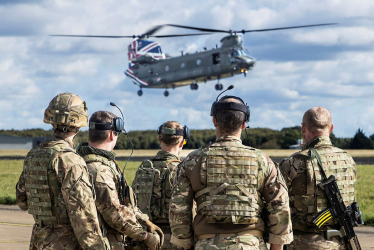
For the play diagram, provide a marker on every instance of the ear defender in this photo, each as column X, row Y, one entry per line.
column 169, row 131
column 217, row 105
column 117, row 125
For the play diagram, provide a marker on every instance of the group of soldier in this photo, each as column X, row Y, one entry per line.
column 225, row 195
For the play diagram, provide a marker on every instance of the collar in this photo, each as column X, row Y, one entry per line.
column 317, row 142
column 166, row 154
column 83, row 149
column 229, row 138
column 59, row 138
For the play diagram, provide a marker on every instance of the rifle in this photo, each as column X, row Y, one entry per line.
column 348, row 217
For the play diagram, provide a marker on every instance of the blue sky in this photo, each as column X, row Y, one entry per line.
column 297, row 69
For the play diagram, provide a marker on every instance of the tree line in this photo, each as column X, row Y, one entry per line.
column 263, row 138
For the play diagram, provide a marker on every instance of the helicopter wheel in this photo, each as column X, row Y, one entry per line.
column 166, row 93
column 218, row 86
column 140, row 92
column 194, row 86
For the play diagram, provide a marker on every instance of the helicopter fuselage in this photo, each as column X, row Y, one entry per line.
column 228, row 60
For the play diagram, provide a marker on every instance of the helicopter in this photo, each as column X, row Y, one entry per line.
column 149, row 67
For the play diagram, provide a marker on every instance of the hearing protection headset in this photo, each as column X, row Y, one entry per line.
column 169, row 131
column 218, row 105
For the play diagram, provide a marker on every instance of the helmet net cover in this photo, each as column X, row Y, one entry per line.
column 68, row 110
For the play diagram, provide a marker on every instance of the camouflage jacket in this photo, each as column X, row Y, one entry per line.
column 302, row 176
column 189, row 180
column 77, row 196
column 106, row 174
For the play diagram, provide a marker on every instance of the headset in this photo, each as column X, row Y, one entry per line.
column 217, row 105
column 117, row 124
column 169, row 131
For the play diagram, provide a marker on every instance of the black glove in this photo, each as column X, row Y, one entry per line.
column 152, row 241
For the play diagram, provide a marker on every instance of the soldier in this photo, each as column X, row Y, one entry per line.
column 55, row 186
column 172, row 137
column 302, row 177
column 117, row 219
column 230, row 183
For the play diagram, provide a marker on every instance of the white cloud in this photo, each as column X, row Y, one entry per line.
column 338, row 36
column 331, row 66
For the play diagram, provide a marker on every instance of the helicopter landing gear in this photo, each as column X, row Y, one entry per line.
column 219, row 86
column 194, row 86
column 166, row 93
column 140, row 92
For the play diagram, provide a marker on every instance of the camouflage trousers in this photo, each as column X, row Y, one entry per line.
column 314, row 242
column 167, row 244
column 231, row 243
column 53, row 237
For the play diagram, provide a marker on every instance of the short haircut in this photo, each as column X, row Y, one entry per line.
column 171, row 139
column 317, row 120
column 100, row 117
column 229, row 121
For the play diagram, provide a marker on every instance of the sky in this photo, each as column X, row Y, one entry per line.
column 297, row 69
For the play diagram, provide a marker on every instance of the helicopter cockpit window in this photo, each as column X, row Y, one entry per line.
column 240, row 52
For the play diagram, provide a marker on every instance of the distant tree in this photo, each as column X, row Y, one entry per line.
column 340, row 142
column 361, row 141
column 290, row 136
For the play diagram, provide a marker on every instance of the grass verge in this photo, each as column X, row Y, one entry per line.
column 10, row 171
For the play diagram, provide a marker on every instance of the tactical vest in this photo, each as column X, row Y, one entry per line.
column 43, row 189
column 230, row 173
column 152, row 187
column 308, row 198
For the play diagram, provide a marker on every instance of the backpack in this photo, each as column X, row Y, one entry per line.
column 152, row 188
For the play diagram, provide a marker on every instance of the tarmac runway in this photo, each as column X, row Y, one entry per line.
column 16, row 226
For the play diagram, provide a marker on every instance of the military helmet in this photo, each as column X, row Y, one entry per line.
column 67, row 112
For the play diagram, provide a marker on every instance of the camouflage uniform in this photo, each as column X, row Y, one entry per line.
column 116, row 219
column 161, row 196
column 56, row 189
column 229, row 182
column 306, row 200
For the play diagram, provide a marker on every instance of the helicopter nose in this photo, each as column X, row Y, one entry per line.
column 251, row 61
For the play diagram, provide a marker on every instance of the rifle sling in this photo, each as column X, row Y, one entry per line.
column 314, row 154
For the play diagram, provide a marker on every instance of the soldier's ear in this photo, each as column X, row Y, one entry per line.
column 332, row 127
column 243, row 125
column 214, row 121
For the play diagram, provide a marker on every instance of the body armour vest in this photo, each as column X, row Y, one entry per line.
column 230, row 173
column 43, row 189
column 92, row 158
column 152, row 186
column 308, row 198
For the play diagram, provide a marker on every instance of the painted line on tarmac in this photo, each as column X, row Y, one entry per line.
column 15, row 224
column 6, row 241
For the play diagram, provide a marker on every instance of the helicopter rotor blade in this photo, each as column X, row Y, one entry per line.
column 196, row 34
column 285, row 28
column 96, row 36
column 197, row 28
column 153, row 30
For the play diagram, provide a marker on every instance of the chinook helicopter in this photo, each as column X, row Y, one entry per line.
column 149, row 67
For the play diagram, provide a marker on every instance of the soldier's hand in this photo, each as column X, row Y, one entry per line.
column 154, row 229
column 152, row 241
